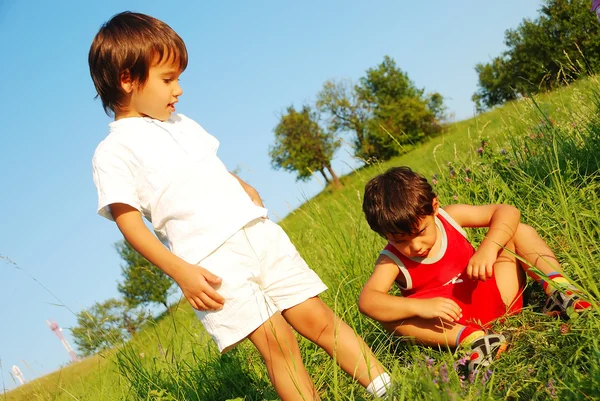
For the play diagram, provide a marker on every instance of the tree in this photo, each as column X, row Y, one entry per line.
column 347, row 112
column 105, row 325
column 401, row 113
column 143, row 283
column 556, row 48
column 302, row 146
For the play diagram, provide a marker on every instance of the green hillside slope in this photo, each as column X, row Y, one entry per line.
column 540, row 156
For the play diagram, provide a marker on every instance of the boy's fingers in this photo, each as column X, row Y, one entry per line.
column 192, row 302
column 489, row 269
column 210, row 277
column 210, row 303
column 470, row 270
column 212, row 294
column 481, row 273
column 201, row 306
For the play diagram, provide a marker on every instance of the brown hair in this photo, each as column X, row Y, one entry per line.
column 396, row 201
column 130, row 43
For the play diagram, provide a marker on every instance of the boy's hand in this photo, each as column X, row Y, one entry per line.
column 195, row 283
column 439, row 307
column 481, row 265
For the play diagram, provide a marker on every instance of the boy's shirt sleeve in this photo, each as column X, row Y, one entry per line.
column 115, row 183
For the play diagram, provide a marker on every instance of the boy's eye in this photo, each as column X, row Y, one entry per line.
column 167, row 80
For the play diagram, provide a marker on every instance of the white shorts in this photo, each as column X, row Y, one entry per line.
column 262, row 274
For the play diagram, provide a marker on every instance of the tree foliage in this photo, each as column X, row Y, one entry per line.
column 554, row 49
column 143, row 283
column 383, row 113
column 303, row 146
column 347, row 111
column 106, row 324
column 401, row 113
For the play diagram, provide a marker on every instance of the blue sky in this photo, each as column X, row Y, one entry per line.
column 248, row 61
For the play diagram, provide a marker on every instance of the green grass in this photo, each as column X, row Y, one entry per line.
column 541, row 156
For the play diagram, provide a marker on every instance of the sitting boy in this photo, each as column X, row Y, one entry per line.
column 450, row 292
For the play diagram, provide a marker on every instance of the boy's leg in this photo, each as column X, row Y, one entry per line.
column 314, row 320
column 508, row 274
column 431, row 332
column 531, row 247
column 277, row 344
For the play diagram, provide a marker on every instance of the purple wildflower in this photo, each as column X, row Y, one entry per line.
column 467, row 170
column 486, row 376
column 503, row 151
column 550, row 387
column 455, row 197
column 444, row 372
column 480, row 151
column 429, row 361
column 467, row 179
column 434, row 181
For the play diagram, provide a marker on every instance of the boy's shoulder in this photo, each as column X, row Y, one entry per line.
column 446, row 213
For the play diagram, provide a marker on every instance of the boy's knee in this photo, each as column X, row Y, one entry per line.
column 319, row 325
column 525, row 230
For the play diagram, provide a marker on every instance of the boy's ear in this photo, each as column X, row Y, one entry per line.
column 126, row 82
column 436, row 205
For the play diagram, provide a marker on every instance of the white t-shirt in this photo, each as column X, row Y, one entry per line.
column 170, row 172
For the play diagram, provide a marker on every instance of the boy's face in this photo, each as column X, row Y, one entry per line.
column 157, row 97
column 420, row 244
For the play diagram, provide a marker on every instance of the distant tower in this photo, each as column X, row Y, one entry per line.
column 58, row 331
column 18, row 374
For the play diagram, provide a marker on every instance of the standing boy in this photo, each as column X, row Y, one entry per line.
column 450, row 292
column 235, row 267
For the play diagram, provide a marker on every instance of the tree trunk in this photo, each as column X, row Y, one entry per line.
column 336, row 181
column 325, row 176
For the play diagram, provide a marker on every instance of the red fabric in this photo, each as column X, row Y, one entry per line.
column 480, row 301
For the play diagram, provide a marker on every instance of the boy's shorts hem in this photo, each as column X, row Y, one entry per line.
column 262, row 274
column 226, row 343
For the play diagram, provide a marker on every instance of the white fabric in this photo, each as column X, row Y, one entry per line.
column 170, row 172
column 380, row 385
column 262, row 274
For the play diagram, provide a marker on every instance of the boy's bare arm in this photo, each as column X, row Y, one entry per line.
column 502, row 221
column 193, row 280
column 252, row 193
column 378, row 304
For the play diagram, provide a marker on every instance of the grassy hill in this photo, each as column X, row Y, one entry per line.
column 542, row 156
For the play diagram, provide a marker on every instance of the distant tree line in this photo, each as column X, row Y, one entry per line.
column 559, row 46
column 114, row 321
column 383, row 115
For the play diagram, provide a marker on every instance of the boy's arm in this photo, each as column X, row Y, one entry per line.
column 378, row 304
column 252, row 193
column 502, row 221
column 194, row 281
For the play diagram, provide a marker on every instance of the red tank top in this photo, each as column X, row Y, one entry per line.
column 422, row 274
column 444, row 275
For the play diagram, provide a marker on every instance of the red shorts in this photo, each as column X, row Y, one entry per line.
column 480, row 301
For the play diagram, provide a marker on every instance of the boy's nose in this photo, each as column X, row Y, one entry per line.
column 178, row 91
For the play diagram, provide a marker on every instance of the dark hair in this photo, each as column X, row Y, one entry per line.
column 396, row 201
column 130, row 43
